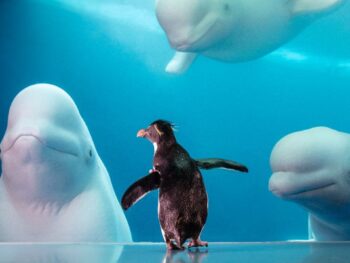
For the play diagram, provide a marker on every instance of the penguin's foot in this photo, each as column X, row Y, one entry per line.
column 171, row 246
column 197, row 243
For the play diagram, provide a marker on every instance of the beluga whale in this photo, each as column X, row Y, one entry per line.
column 233, row 30
column 54, row 186
column 312, row 169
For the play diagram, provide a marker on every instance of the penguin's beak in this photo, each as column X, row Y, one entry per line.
column 141, row 133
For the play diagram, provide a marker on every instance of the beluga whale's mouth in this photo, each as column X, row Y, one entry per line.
column 311, row 191
column 288, row 185
column 37, row 139
column 299, row 193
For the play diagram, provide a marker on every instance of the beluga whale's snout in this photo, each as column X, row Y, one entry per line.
column 38, row 143
column 44, row 115
column 42, row 136
column 291, row 186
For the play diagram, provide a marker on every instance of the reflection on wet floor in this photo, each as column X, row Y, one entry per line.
column 193, row 255
column 285, row 252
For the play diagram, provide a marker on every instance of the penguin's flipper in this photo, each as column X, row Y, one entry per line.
column 220, row 163
column 140, row 188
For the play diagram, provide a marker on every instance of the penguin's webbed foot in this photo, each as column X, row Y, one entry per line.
column 197, row 243
column 171, row 246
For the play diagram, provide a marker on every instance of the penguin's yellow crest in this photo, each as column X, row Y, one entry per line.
column 158, row 131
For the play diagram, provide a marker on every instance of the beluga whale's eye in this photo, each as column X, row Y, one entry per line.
column 90, row 153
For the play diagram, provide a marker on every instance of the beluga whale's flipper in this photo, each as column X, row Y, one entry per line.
column 180, row 62
column 313, row 6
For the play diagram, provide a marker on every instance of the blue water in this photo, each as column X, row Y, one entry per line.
column 111, row 62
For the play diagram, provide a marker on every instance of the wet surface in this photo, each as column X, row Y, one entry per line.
column 286, row 252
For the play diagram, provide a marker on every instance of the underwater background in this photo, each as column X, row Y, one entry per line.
column 110, row 57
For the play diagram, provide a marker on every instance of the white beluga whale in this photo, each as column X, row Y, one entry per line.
column 312, row 168
column 54, row 186
column 233, row 30
column 61, row 252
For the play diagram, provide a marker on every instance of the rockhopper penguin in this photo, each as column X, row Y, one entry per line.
column 183, row 201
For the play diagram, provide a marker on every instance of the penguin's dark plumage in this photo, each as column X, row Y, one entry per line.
column 183, row 202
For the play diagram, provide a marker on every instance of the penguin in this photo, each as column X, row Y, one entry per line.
column 183, row 200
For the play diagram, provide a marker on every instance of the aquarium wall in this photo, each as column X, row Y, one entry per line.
column 110, row 57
